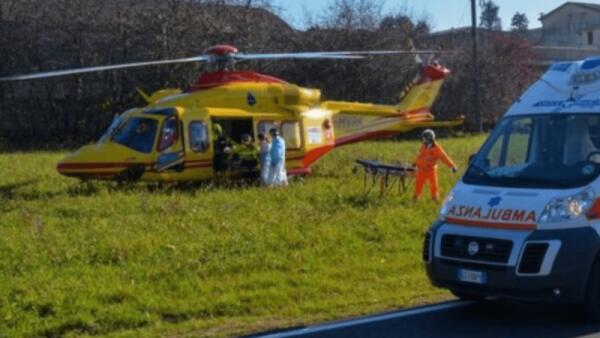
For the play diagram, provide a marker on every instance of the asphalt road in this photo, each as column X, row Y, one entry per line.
column 456, row 319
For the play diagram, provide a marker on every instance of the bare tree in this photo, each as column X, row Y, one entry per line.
column 41, row 35
column 506, row 71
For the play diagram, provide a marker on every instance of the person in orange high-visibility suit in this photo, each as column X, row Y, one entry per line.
column 426, row 164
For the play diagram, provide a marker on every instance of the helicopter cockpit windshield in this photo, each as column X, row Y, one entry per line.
column 137, row 133
column 116, row 122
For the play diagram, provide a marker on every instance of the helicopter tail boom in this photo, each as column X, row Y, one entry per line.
column 355, row 122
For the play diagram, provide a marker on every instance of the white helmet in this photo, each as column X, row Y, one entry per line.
column 428, row 134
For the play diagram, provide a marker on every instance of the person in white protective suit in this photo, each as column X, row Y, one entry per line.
column 265, row 158
column 277, row 175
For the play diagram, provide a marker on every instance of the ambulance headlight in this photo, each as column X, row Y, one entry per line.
column 446, row 206
column 566, row 208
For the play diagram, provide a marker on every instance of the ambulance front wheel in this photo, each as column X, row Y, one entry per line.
column 592, row 294
column 468, row 296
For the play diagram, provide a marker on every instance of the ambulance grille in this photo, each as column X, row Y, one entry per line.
column 488, row 249
column 532, row 258
column 427, row 247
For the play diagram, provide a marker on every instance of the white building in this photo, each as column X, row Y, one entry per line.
column 570, row 31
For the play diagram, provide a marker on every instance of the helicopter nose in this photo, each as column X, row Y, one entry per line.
column 103, row 162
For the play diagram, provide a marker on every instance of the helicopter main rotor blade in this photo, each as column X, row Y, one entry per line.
column 228, row 56
column 306, row 55
column 100, row 68
column 330, row 55
column 394, row 52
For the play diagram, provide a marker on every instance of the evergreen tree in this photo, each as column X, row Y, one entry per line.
column 519, row 23
column 489, row 18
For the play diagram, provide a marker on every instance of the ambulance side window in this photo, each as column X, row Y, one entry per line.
column 198, row 136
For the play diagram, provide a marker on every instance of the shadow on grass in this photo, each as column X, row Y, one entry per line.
column 85, row 188
column 193, row 187
column 92, row 188
column 80, row 326
column 375, row 200
column 8, row 190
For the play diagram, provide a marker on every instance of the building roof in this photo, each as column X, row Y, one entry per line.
column 463, row 30
column 585, row 5
column 457, row 30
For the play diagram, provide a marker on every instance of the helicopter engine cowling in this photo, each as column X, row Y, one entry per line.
column 298, row 96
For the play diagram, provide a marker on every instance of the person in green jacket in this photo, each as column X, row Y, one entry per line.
column 248, row 153
column 222, row 149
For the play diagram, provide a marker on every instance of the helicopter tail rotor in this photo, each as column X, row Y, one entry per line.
column 420, row 93
column 418, row 58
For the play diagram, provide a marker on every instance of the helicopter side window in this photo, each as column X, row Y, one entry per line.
column 290, row 131
column 137, row 133
column 198, row 136
column 265, row 126
column 169, row 134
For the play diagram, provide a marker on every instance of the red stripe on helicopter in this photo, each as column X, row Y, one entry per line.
column 495, row 225
column 192, row 166
column 200, row 161
column 96, row 165
column 415, row 116
column 295, row 158
column 299, row 171
column 309, row 158
column 100, row 175
column 313, row 155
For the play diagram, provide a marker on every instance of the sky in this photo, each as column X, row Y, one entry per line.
column 443, row 14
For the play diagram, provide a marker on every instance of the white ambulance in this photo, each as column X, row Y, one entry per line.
column 524, row 221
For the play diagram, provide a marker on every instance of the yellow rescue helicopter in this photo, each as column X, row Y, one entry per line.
column 171, row 139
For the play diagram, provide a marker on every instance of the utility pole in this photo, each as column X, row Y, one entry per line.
column 477, row 99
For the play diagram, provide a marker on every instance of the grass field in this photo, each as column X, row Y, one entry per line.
column 94, row 259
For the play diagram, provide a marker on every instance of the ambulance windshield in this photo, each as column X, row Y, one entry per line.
column 539, row 151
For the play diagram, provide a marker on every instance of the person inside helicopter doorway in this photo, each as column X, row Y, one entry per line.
column 222, row 150
column 426, row 164
column 248, row 155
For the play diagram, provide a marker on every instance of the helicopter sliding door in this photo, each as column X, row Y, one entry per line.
column 198, row 149
column 234, row 128
column 170, row 146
